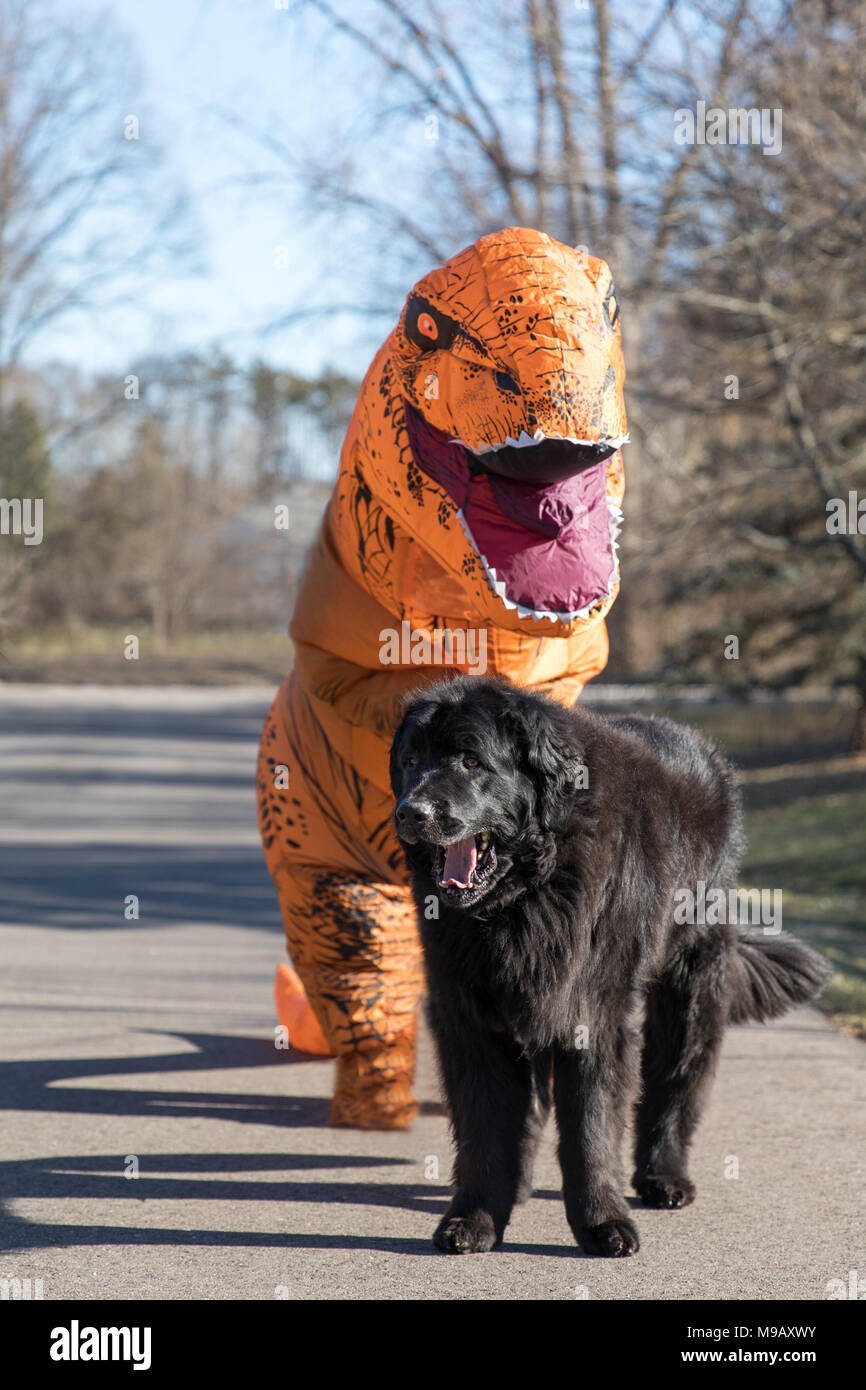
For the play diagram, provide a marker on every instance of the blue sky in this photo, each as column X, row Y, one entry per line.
column 213, row 72
column 201, row 58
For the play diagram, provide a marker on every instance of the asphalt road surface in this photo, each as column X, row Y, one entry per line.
column 147, row 1046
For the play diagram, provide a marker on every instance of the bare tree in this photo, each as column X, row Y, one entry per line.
column 726, row 257
column 766, row 343
column 25, row 472
column 543, row 113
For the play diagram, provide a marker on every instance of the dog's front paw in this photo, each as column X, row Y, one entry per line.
column 665, row 1190
column 612, row 1238
column 466, row 1235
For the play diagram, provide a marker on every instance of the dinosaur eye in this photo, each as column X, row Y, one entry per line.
column 426, row 326
column 611, row 307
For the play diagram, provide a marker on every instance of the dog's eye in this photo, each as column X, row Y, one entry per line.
column 411, row 762
column 470, row 760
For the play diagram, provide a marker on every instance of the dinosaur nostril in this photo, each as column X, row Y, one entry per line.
column 505, row 381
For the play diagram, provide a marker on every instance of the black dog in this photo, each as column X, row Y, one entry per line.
column 548, row 849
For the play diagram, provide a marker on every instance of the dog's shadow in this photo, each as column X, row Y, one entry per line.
column 223, row 1177
column 46, row 1086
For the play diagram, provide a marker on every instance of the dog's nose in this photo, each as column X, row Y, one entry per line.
column 414, row 814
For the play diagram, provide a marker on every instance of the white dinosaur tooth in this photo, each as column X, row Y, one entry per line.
column 525, row 440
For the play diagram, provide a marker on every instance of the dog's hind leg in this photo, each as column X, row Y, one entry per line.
column 685, row 1021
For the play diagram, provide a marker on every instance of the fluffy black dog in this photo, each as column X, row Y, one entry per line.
column 546, row 846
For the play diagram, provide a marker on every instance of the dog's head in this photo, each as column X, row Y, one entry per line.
column 485, row 776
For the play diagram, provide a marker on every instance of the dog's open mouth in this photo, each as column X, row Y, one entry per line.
column 466, row 866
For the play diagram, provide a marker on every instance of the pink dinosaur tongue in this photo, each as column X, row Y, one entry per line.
column 551, row 546
column 460, row 860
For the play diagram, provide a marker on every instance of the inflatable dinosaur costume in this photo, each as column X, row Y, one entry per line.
column 472, row 524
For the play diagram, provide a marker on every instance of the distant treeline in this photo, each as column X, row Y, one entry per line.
column 158, row 491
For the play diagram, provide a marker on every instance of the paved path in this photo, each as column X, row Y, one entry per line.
column 153, row 1040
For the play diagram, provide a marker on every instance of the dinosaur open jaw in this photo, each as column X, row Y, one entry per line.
column 547, row 543
column 464, row 869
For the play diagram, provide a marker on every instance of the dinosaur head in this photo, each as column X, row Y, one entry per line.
column 513, row 349
column 508, row 364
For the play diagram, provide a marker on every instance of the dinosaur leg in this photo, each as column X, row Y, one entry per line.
column 348, row 916
column 354, row 944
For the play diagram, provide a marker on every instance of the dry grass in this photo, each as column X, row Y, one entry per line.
column 95, row 655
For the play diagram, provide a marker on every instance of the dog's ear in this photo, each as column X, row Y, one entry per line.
column 554, row 761
column 394, row 768
column 415, row 710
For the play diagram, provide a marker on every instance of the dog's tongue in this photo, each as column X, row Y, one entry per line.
column 460, row 860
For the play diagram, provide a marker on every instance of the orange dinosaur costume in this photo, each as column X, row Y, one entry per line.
column 472, row 525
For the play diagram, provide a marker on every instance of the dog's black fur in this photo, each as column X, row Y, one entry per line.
column 564, row 946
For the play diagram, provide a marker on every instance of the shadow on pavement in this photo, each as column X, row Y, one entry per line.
column 239, row 722
column 31, row 1085
column 83, row 887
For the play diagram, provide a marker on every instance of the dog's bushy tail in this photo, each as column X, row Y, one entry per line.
column 767, row 975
